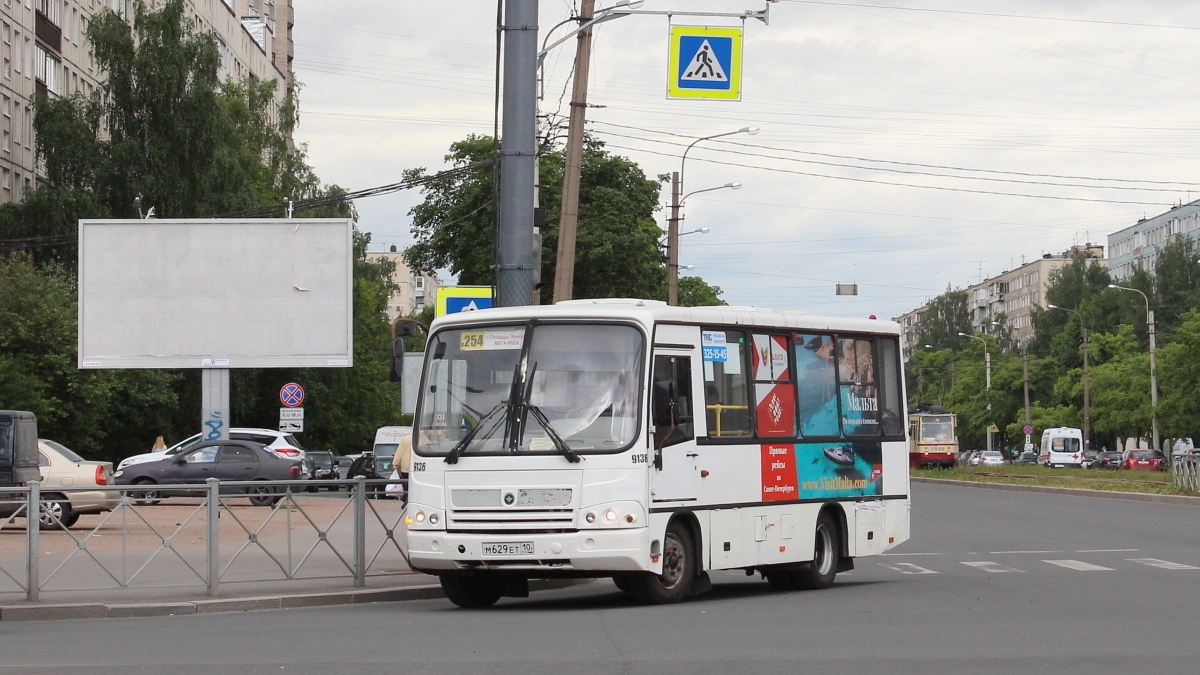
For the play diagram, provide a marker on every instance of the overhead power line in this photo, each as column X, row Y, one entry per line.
column 992, row 14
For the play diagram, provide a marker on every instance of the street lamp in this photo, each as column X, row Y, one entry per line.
column 987, row 360
column 1153, row 377
column 676, row 202
column 698, row 230
column 1087, row 417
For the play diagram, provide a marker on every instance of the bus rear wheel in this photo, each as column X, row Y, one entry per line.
column 679, row 569
column 474, row 591
column 826, row 550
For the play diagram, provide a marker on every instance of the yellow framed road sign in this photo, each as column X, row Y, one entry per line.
column 705, row 62
column 454, row 299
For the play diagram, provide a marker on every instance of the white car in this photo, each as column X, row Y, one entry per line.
column 281, row 443
column 60, row 467
column 992, row 458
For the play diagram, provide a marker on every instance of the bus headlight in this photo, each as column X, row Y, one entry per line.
column 613, row 515
column 423, row 518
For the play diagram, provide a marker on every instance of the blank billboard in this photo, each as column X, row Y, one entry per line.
column 237, row 293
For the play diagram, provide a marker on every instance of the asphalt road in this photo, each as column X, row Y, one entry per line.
column 992, row 582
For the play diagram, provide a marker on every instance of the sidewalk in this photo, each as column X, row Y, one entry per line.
column 164, row 579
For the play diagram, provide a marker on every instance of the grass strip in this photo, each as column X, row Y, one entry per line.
column 1146, row 482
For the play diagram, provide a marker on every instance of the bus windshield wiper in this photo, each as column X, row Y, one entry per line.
column 452, row 456
column 559, row 443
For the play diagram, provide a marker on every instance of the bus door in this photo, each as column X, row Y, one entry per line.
column 676, row 477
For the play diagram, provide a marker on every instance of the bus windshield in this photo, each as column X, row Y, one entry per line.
column 937, row 430
column 564, row 386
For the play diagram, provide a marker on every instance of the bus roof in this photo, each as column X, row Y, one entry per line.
column 649, row 312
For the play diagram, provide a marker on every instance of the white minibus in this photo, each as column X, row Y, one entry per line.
column 1061, row 447
column 653, row 444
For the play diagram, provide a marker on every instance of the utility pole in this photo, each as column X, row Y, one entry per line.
column 1153, row 378
column 518, row 154
column 1087, row 414
column 564, row 270
column 1025, row 377
column 673, row 243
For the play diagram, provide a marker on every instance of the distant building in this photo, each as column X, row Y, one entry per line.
column 414, row 291
column 44, row 52
column 1138, row 245
column 1012, row 293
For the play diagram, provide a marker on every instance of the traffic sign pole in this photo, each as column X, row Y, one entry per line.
column 214, row 405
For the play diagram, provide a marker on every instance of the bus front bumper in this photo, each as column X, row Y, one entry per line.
column 609, row 550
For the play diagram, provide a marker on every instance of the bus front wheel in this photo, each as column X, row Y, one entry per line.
column 826, row 548
column 474, row 591
column 679, row 569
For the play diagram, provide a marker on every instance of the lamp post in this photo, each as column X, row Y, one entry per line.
column 1087, row 416
column 676, row 203
column 1153, row 377
column 987, row 360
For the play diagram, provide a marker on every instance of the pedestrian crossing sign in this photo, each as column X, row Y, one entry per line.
column 705, row 62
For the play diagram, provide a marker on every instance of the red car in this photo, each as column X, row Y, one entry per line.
column 1146, row 460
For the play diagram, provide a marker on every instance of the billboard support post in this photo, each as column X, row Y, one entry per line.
column 214, row 409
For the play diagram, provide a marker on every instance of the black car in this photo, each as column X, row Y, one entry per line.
column 372, row 467
column 1029, row 457
column 223, row 460
column 1107, row 460
column 320, row 465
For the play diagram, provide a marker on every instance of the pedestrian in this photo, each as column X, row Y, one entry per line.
column 400, row 464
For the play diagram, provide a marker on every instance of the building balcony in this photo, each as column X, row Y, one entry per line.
column 49, row 34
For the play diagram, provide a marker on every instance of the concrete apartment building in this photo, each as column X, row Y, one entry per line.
column 44, row 52
column 1138, row 245
column 1013, row 293
column 414, row 291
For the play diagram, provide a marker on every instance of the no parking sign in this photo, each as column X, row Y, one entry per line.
column 291, row 394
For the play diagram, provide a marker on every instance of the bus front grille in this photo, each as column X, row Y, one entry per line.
column 541, row 520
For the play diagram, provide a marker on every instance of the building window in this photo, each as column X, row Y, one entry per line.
column 48, row 68
column 420, row 283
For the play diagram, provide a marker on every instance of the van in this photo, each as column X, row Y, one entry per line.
column 387, row 439
column 1061, row 447
column 18, row 456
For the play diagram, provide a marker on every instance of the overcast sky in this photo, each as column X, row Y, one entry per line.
column 865, row 109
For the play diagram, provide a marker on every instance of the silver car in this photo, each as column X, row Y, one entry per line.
column 991, row 458
column 59, row 468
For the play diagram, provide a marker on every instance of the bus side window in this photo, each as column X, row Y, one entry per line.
column 726, row 397
column 891, row 403
column 774, row 390
column 817, row 382
column 859, row 393
column 671, row 399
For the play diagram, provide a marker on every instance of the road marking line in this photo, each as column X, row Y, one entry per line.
column 989, row 566
column 1108, row 550
column 908, row 568
column 900, row 554
column 1163, row 564
column 999, row 552
column 1078, row 565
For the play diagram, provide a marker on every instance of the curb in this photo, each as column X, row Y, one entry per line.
column 1078, row 492
column 66, row 611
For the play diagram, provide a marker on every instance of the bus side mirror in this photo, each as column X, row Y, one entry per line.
column 397, row 372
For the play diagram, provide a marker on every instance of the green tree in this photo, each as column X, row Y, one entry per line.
column 1178, row 377
column 163, row 127
column 694, row 292
column 616, row 248
column 947, row 315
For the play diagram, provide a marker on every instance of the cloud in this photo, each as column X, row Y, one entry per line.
column 391, row 85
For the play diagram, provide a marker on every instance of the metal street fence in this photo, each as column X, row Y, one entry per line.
column 199, row 535
column 1185, row 472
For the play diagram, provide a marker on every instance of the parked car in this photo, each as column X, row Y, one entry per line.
column 991, row 458
column 1089, row 456
column 1108, row 459
column 1028, row 457
column 60, row 467
column 320, row 465
column 1140, row 459
column 18, row 456
column 281, row 443
column 372, row 467
column 975, row 458
column 223, row 460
